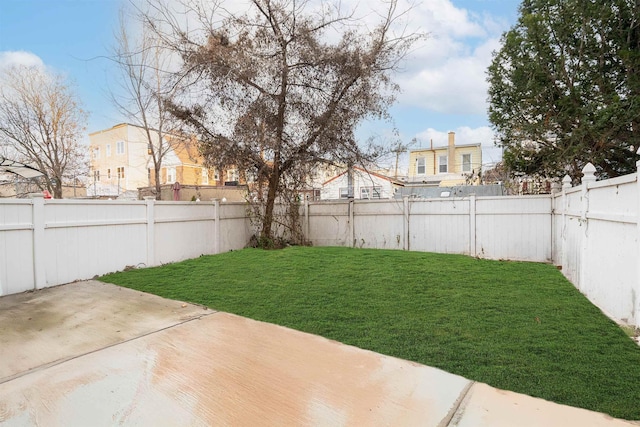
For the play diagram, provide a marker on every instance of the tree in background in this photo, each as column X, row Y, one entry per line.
column 42, row 124
column 565, row 88
column 144, row 85
column 281, row 87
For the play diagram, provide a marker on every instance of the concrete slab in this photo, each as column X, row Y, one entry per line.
column 485, row 406
column 96, row 354
column 228, row 370
column 53, row 324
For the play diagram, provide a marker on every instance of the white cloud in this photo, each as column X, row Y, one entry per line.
column 446, row 73
column 20, row 57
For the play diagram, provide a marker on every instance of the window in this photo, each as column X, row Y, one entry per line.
column 370, row 192
column 108, row 173
column 171, row 175
column 108, row 150
column 121, row 172
column 149, row 149
column 251, row 175
column 205, row 176
column 216, row 175
column 442, row 164
column 421, row 165
column 96, row 175
column 96, row 153
column 232, row 175
column 466, row 163
column 344, row 192
column 120, row 147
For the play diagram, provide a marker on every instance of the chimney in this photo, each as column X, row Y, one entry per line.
column 451, row 153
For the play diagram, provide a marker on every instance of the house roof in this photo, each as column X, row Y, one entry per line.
column 393, row 181
column 444, row 147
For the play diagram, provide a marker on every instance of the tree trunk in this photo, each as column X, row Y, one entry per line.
column 156, row 172
column 271, row 201
column 57, row 190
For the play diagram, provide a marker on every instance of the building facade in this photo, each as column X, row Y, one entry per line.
column 446, row 166
column 121, row 163
column 359, row 184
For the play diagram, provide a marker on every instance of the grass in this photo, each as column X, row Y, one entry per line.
column 516, row 326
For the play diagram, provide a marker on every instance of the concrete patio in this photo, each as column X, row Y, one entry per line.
column 90, row 353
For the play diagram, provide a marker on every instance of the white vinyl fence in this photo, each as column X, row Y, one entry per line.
column 51, row 242
column 597, row 238
column 488, row 227
column 591, row 232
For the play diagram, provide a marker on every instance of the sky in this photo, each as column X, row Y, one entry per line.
column 443, row 81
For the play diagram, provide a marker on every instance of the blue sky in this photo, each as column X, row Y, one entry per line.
column 443, row 85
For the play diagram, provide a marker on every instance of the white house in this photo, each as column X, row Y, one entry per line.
column 364, row 185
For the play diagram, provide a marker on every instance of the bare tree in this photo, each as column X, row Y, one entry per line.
column 144, row 84
column 42, row 123
column 282, row 86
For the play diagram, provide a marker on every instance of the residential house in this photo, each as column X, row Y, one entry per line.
column 184, row 164
column 359, row 183
column 121, row 162
column 446, row 166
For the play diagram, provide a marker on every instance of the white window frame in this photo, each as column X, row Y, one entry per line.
column 216, row 175
column 251, row 175
column 466, row 167
column 120, row 171
column 120, row 147
column 96, row 153
column 171, row 175
column 108, row 150
column 343, row 192
column 205, row 176
column 421, row 163
column 232, row 175
column 96, row 175
column 374, row 192
column 443, row 165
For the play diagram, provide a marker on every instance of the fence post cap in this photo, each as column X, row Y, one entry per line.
column 149, row 197
column 566, row 181
column 589, row 172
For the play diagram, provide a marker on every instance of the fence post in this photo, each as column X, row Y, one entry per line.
column 216, row 226
column 636, row 309
column 566, row 185
column 352, row 231
column 151, row 234
column 39, row 270
column 306, row 221
column 588, row 177
column 406, row 245
column 472, row 225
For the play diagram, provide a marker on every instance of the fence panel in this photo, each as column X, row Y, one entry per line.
column 329, row 224
column 235, row 227
column 516, row 228
column 439, row 226
column 84, row 238
column 379, row 224
column 16, row 246
column 183, row 230
column 609, row 268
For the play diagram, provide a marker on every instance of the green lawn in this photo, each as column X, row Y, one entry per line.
column 516, row 326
